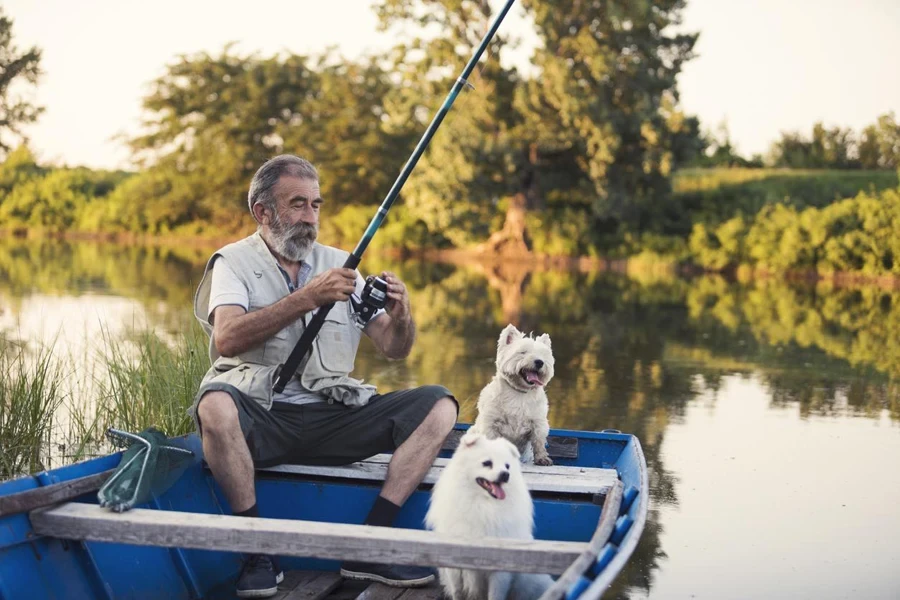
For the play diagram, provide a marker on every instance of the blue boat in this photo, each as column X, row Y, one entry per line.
column 57, row 542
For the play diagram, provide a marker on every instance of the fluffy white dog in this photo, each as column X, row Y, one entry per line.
column 482, row 493
column 514, row 404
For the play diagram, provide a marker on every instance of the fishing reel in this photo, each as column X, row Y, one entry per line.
column 370, row 301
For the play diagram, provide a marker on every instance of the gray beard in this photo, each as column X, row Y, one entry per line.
column 293, row 242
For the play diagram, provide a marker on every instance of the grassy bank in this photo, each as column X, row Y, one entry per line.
column 145, row 379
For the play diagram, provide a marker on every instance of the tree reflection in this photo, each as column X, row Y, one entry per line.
column 631, row 351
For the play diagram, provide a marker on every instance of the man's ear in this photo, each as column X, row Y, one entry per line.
column 259, row 212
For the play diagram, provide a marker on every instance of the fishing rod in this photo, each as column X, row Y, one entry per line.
column 302, row 348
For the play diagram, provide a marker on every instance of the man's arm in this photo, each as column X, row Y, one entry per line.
column 394, row 333
column 236, row 331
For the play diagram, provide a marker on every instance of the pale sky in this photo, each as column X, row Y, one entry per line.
column 764, row 65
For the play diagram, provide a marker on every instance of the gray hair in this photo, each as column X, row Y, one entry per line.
column 263, row 183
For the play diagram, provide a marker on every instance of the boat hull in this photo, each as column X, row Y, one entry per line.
column 34, row 566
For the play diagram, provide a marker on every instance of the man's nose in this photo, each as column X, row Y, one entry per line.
column 308, row 215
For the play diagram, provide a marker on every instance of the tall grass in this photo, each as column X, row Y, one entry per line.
column 147, row 380
column 30, row 393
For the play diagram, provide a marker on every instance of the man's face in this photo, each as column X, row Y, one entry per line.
column 293, row 226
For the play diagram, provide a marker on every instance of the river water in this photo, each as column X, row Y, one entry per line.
column 769, row 413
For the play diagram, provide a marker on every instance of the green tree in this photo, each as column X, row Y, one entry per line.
column 869, row 152
column 19, row 167
column 345, row 130
column 15, row 66
column 596, row 126
column 879, row 144
column 887, row 138
column 472, row 161
column 213, row 120
column 608, row 70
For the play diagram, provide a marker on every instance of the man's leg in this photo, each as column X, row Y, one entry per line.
column 407, row 468
column 228, row 457
column 415, row 456
column 226, row 451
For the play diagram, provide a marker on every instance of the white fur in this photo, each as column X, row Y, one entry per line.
column 511, row 407
column 459, row 506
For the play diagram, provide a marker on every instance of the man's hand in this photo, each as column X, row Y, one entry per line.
column 333, row 285
column 394, row 334
column 397, row 304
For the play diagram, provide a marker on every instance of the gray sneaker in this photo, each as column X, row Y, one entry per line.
column 392, row 575
column 259, row 578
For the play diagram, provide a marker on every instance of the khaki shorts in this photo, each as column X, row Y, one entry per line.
column 322, row 433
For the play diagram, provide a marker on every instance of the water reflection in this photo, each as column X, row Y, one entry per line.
column 696, row 368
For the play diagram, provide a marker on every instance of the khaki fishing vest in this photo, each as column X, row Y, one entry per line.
column 331, row 361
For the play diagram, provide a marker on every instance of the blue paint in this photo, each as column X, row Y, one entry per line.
column 577, row 588
column 623, row 524
column 603, row 559
column 45, row 568
column 627, row 498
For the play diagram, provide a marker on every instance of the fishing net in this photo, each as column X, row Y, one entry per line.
column 150, row 465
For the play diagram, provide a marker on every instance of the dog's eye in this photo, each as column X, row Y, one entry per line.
column 488, row 464
column 507, row 466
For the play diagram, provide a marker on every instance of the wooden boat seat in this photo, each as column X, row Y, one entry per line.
column 554, row 479
column 290, row 537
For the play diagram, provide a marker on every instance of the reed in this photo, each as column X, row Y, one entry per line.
column 148, row 379
column 30, row 393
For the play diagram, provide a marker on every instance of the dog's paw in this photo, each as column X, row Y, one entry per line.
column 543, row 461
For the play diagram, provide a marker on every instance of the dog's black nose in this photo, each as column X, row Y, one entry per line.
column 538, row 364
column 504, row 477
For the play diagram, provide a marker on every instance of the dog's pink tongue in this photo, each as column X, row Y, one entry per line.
column 498, row 491
column 532, row 377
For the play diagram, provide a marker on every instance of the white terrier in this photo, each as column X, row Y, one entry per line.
column 482, row 493
column 514, row 404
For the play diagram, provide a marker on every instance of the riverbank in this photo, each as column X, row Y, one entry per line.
column 644, row 265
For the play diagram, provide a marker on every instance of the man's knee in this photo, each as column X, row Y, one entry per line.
column 217, row 413
column 444, row 414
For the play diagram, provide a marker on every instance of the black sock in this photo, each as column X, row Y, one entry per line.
column 250, row 512
column 383, row 513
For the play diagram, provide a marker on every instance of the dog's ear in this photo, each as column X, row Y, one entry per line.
column 508, row 335
column 470, row 439
column 544, row 339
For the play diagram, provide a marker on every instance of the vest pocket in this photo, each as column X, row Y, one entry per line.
column 334, row 343
column 253, row 380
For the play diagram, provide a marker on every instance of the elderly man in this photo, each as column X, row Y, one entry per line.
column 254, row 300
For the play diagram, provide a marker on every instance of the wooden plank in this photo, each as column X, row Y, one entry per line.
column 52, row 494
column 291, row 580
column 557, row 446
column 311, row 585
column 432, row 592
column 585, row 472
column 379, row 591
column 567, row 480
column 336, row 541
column 608, row 515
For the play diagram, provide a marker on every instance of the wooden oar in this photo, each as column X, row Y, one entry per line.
column 52, row 494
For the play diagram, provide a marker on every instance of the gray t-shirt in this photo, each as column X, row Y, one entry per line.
column 226, row 288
